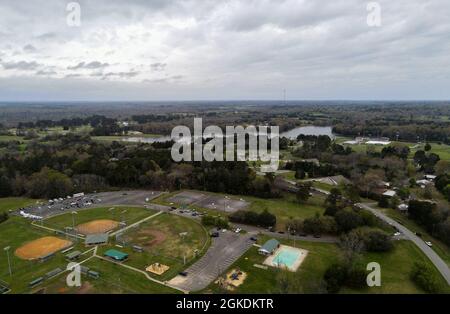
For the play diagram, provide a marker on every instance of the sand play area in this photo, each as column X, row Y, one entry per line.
column 41, row 248
column 233, row 279
column 157, row 268
column 97, row 226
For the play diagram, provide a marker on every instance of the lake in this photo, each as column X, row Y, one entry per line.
column 308, row 130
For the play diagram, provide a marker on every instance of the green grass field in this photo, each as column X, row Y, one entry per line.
column 395, row 268
column 8, row 138
column 439, row 247
column 14, row 233
column 320, row 256
column 169, row 249
column 284, row 208
column 114, row 279
column 442, row 150
column 119, row 213
column 11, row 203
column 287, row 208
column 17, row 231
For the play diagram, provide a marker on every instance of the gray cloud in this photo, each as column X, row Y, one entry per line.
column 46, row 72
column 227, row 49
column 128, row 74
column 29, row 48
column 90, row 65
column 158, row 66
column 20, row 65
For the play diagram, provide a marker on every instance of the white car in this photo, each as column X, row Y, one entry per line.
column 238, row 230
column 429, row 243
column 397, row 234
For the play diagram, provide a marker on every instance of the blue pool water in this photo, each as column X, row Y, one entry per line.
column 286, row 257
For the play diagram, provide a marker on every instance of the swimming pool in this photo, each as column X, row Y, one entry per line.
column 286, row 257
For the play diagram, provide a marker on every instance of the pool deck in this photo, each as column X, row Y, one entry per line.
column 302, row 255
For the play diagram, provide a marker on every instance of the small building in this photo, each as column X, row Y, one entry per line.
column 53, row 273
column 46, row 257
column 116, row 255
column 389, row 193
column 423, row 183
column 93, row 274
column 96, row 239
column 269, row 247
column 138, row 248
column 73, row 255
column 84, row 269
column 36, row 282
column 403, row 208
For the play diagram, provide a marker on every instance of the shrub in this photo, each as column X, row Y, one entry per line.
column 215, row 221
column 425, row 277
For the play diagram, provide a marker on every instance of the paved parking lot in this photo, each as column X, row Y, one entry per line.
column 48, row 209
column 224, row 251
column 217, row 202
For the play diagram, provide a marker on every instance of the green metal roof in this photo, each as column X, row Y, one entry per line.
column 117, row 255
column 270, row 245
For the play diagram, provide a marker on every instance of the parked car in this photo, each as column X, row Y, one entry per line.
column 254, row 239
column 429, row 243
column 183, row 273
column 215, row 234
column 238, row 230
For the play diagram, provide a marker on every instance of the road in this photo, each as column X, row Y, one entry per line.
column 434, row 258
column 309, row 238
column 222, row 253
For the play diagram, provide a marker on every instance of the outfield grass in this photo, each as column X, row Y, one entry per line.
column 14, row 233
column 10, row 203
column 119, row 213
column 171, row 250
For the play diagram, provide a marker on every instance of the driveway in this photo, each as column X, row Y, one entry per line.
column 224, row 251
column 434, row 258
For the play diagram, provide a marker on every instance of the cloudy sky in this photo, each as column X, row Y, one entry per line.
column 224, row 49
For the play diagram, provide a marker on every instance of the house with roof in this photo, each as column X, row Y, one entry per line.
column 269, row 247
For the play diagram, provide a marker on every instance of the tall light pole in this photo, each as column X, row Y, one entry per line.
column 73, row 226
column 121, row 215
column 73, row 220
column 9, row 261
column 225, row 203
